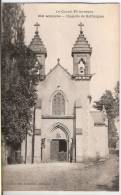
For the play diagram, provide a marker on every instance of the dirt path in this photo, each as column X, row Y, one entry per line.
column 99, row 176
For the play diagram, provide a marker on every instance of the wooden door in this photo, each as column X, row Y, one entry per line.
column 54, row 150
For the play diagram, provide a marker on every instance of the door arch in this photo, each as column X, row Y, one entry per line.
column 59, row 145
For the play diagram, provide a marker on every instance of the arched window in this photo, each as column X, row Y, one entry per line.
column 58, row 104
column 81, row 67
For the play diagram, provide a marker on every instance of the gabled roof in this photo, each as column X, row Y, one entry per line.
column 56, row 66
column 81, row 45
column 99, row 118
column 37, row 45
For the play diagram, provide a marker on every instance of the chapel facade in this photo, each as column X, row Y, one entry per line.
column 65, row 127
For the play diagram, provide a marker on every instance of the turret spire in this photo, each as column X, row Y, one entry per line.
column 37, row 45
column 81, row 45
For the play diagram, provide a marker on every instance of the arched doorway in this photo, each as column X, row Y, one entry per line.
column 59, row 144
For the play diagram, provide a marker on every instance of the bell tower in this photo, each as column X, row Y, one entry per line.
column 39, row 49
column 81, row 53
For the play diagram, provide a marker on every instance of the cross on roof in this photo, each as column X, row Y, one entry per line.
column 81, row 26
column 58, row 60
column 37, row 26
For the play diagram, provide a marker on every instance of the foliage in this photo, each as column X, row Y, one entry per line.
column 107, row 100
column 116, row 96
column 110, row 102
column 111, row 105
column 19, row 76
column 12, row 22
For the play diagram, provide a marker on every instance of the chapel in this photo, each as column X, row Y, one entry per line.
column 65, row 128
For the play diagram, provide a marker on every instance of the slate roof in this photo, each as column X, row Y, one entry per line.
column 81, row 45
column 37, row 45
column 99, row 117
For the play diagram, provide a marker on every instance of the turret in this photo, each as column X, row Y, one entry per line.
column 39, row 49
column 81, row 53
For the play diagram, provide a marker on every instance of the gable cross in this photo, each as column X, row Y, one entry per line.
column 58, row 60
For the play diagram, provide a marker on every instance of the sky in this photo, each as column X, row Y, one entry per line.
column 101, row 29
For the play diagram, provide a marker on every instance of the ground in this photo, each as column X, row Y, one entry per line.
column 96, row 176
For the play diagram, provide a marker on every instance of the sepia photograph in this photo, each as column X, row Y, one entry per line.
column 60, row 96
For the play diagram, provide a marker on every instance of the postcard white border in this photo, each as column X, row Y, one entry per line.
column 68, row 192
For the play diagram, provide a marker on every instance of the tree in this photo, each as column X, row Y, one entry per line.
column 109, row 103
column 19, row 78
column 116, row 97
column 106, row 100
column 12, row 24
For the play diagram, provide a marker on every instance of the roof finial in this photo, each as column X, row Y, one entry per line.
column 37, row 26
column 81, row 26
column 58, row 61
